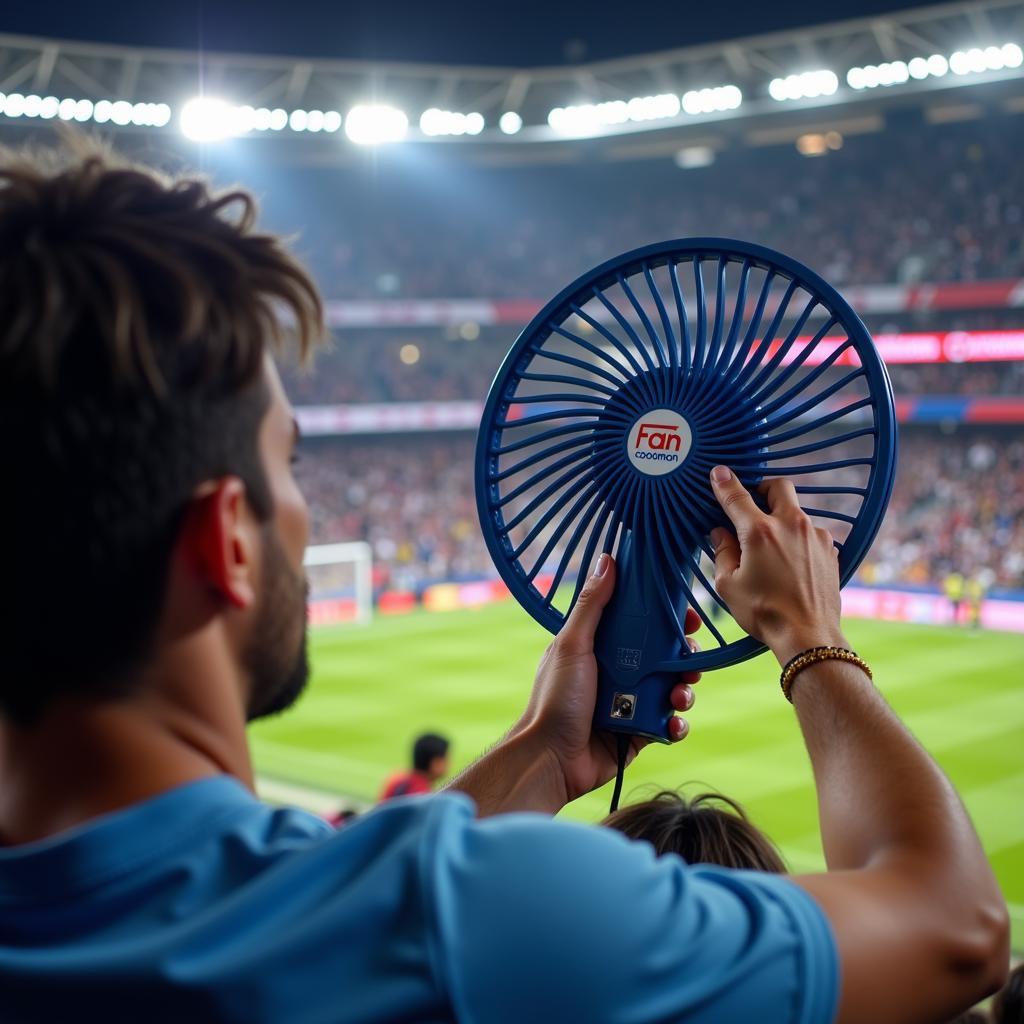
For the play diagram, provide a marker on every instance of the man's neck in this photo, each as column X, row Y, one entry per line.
column 81, row 761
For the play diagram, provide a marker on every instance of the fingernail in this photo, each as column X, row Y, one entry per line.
column 718, row 536
column 721, row 474
column 602, row 565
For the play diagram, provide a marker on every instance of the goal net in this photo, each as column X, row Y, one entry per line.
column 340, row 583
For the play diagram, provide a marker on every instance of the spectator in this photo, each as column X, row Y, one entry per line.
column 707, row 829
column 139, row 876
column 429, row 766
column 958, row 504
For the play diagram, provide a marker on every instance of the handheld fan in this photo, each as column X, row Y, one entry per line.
column 608, row 414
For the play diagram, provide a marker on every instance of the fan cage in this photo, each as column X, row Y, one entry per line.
column 769, row 369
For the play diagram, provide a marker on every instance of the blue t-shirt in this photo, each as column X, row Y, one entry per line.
column 204, row 904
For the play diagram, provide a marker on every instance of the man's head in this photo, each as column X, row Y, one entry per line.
column 144, row 435
column 708, row 829
column 430, row 756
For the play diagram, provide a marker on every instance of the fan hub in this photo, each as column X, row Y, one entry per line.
column 659, row 442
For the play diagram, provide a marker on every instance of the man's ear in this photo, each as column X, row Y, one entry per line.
column 221, row 540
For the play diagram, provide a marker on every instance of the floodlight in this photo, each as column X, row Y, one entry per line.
column 806, row 85
column 376, row 123
column 121, row 113
column 205, row 119
column 510, row 122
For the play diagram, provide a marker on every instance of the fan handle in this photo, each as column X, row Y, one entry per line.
column 633, row 696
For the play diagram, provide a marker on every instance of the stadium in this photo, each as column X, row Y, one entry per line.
column 440, row 204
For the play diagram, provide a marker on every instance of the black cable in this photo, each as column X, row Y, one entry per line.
column 623, row 749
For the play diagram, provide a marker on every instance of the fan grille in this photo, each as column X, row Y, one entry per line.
column 618, row 399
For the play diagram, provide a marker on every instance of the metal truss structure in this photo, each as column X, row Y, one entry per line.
column 61, row 70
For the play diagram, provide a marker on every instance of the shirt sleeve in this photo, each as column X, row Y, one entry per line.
column 542, row 920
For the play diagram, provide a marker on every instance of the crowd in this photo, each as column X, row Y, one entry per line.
column 140, row 875
column 368, row 366
column 958, row 506
column 912, row 203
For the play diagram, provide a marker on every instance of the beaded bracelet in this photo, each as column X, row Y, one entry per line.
column 812, row 656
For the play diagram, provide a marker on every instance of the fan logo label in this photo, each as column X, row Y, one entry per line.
column 659, row 442
column 628, row 657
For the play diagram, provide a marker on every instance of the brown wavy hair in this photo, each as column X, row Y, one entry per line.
column 135, row 314
column 706, row 829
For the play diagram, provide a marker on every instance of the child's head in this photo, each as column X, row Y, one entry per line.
column 706, row 829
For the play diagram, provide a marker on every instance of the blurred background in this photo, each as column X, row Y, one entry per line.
column 443, row 178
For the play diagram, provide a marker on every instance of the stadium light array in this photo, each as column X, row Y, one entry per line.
column 710, row 101
column 119, row 112
column 510, row 122
column 591, row 118
column 207, row 119
column 963, row 62
column 992, row 58
column 806, row 85
column 449, row 122
column 373, row 124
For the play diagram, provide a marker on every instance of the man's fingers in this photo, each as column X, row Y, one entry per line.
column 727, row 551
column 693, row 621
column 734, row 498
column 577, row 635
column 682, row 696
column 780, row 494
column 677, row 729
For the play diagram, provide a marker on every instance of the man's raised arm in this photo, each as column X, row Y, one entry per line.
column 919, row 920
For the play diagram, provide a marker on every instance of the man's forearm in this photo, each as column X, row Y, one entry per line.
column 881, row 796
column 517, row 774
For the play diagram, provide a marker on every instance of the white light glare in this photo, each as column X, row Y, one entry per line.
column 893, row 73
column 653, row 108
column 591, row 118
column 510, row 122
column 808, row 85
column 710, row 101
column 992, row 58
column 936, row 65
column 449, row 122
column 372, row 124
column 210, row 120
column 205, row 119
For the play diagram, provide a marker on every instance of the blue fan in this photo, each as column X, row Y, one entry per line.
column 607, row 416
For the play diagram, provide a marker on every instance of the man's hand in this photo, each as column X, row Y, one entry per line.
column 551, row 755
column 779, row 574
column 564, row 693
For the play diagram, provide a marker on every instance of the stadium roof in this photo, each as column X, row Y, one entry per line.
column 684, row 96
column 530, row 33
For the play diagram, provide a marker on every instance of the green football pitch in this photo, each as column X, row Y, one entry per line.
column 467, row 674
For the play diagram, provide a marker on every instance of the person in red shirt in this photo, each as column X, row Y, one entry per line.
column 429, row 764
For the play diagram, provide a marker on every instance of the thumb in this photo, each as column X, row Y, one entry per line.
column 577, row 635
column 727, row 552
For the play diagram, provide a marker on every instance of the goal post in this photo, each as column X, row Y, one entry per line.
column 340, row 582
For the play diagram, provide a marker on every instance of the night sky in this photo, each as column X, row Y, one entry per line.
column 528, row 32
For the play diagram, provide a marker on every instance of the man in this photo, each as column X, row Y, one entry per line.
column 954, row 588
column 429, row 766
column 153, row 603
